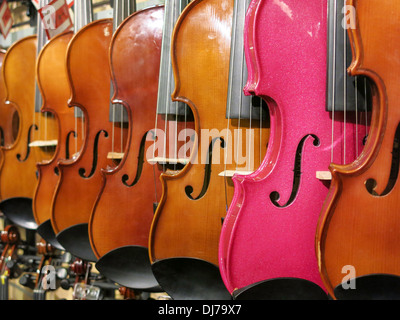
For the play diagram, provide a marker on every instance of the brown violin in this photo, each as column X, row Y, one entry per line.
column 53, row 83
column 37, row 131
column 80, row 178
column 357, row 239
column 184, row 236
column 119, row 233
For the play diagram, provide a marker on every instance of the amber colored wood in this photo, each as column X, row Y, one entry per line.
column 53, row 82
column 183, row 227
column 89, row 77
column 18, row 175
column 123, row 214
column 356, row 228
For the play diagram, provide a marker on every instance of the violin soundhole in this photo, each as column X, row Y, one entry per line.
column 67, row 151
column 125, row 177
column 28, row 148
column 82, row 171
column 275, row 196
column 371, row 184
column 207, row 171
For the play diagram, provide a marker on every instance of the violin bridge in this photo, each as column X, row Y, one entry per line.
column 324, row 175
column 43, row 143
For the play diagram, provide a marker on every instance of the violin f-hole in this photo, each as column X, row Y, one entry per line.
column 28, row 148
column 371, row 184
column 207, row 173
column 67, row 153
column 82, row 171
column 125, row 177
column 275, row 196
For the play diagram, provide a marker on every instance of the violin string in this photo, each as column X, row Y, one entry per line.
column 168, row 104
column 356, row 94
column 229, row 101
column 345, row 91
column 334, row 77
column 125, row 13
column 366, row 107
column 76, row 130
column 176, row 126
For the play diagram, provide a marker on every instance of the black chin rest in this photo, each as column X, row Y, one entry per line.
column 19, row 211
column 281, row 289
column 45, row 230
column 130, row 267
column 190, row 279
column 75, row 240
column 371, row 287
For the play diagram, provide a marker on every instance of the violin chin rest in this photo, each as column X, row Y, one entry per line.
column 130, row 267
column 45, row 230
column 370, row 287
column 281, row 289
column 190, row 279
column 75, row 240
column 19, row 211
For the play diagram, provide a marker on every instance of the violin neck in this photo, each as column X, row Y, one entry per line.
column 165, row 106
column 83, row 13
column 41, row 41
column 344, row 93
column 240, row 106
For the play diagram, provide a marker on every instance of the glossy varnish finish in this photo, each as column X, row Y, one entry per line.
column 124, row 209
column 359, row 225
column 80, row 178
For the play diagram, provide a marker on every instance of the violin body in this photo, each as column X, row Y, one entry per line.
column 358, row 232
column 80, row 178
column 53, row 83
column 267, row 241
column 124, row 209
column 18, row 175
column 184, row 235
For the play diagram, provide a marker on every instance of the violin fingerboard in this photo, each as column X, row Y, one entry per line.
column 344, row 92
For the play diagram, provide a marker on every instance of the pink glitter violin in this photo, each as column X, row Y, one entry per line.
column 267, row 243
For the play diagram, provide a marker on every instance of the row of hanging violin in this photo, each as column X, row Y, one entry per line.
column 215, row 149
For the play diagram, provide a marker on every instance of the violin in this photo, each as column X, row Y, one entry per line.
column 267, row 241
column 183, row 244
column 80, row 178
column 119, row 234
column 356, row 241
column 36, row 131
